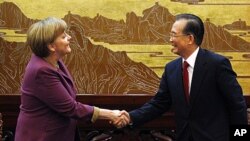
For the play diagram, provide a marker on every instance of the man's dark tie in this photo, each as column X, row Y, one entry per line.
column 186, row 80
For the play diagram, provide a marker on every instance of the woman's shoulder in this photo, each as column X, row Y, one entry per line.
column 38, row 66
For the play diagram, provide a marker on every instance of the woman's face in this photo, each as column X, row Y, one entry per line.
column 61, row 44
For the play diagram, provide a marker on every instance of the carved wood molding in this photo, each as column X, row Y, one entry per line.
column 160, row 128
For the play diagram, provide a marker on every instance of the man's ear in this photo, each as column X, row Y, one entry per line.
column 51, row 47
column 191, row 39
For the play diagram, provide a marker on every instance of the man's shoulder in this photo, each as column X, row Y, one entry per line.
column 211, row 55
column 174, row 62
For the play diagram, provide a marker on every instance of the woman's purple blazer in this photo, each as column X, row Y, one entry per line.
column 48, row 110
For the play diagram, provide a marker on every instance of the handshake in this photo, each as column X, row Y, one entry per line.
column 119, row 118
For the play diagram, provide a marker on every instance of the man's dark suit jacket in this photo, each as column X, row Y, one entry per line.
column 216, row 99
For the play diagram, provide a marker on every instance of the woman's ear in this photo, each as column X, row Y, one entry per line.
column 51, row 47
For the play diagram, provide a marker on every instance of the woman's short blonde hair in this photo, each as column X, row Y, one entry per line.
column 44, row 32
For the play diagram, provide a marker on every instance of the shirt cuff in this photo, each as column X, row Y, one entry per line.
column 95, row 114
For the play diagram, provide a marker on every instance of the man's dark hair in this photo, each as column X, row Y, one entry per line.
column 194, row 26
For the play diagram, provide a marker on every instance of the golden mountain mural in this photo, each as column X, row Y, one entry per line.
column 153, row 28
column 96, row 69
column 12, row 17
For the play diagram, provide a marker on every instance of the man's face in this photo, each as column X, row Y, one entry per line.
column 178, row 39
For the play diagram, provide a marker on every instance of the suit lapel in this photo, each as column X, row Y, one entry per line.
column 67, row 77
column 64, row 70
column 200, row 70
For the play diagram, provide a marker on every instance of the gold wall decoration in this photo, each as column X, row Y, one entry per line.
column 121, row 47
